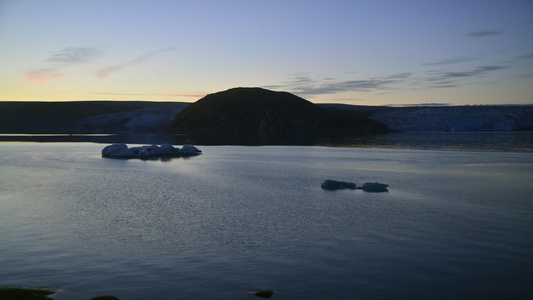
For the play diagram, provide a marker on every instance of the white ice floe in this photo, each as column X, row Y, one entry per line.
column 117, row 150
column 145, row 152
column 190, row 149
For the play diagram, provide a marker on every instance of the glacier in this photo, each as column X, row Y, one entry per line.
column 457, row 118
column 142, row 119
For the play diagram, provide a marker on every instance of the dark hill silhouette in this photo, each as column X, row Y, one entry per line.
column 257, row 110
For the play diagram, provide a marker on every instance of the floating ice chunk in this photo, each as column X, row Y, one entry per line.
column 375, row 187
column 336, row 185
column 190, row 150
column 137, row 150
column 168, row 149
column 117, row 150
column 264, row 293
column 145, row 152
column 164, row 150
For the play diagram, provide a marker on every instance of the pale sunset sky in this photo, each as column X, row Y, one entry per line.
column 363, row 52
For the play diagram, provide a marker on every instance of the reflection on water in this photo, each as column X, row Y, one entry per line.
column 469, row 141
column 464, row 141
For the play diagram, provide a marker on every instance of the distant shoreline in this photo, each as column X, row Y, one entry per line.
column 117, row 117
column 515, row 141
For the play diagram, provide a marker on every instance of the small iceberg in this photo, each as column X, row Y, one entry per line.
column 264, row 293
column 145, row 152
column 332, row 185
column 374, row 187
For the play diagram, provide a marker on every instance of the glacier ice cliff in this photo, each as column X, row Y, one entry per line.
column 458, row 118
column 142, row 119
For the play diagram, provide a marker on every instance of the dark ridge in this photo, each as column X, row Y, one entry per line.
column 257, row 110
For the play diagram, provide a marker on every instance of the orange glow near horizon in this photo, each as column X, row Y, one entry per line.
column 40, row 76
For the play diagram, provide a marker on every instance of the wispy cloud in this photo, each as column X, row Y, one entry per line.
column 60, row 60
column 56, row 64
column 450, row 61
column 39, row 76
column 399, row 76
column 105, row 72
column 435, row 80
column 443, row 86
column 337, row 87
column 420, row 105
column 75, row 55
column 307, row 86
column 166, row 95
column 479, row 71
column 484, row 33
column 526, row 56
column 451, row 79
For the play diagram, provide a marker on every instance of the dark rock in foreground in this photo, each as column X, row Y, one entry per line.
column 105, row 298
column 24, row 293
column 264, row 294
column 146, row 152
column 337, row 185
column 21, row 293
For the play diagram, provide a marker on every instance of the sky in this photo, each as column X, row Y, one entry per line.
column 361, row 52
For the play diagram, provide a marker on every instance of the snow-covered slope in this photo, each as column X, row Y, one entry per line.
column 458, row 118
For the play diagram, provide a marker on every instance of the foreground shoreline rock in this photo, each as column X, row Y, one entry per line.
column 264, row 293
column 145, row 152
column 27, row 293
column 24, row 293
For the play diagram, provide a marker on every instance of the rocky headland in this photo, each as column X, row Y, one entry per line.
column 257, row 110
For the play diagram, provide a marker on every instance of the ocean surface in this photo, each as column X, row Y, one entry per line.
column 456, row 141
column 238, row 219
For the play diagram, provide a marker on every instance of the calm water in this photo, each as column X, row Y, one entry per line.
column 455, row 141
column 239, row 219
